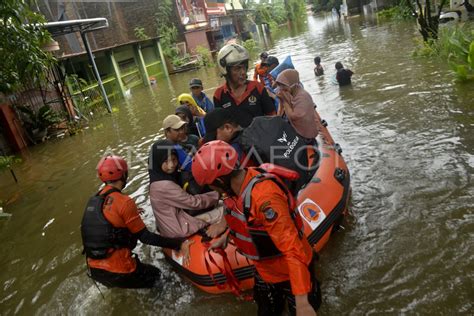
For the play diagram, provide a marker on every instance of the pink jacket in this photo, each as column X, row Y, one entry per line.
column 168, row 200
column 303, row 116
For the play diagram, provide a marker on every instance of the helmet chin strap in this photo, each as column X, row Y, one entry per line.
column 224, row 184
column 124, row 179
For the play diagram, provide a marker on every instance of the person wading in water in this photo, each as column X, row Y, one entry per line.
column 110, row 228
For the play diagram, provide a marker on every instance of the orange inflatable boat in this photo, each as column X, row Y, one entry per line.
column 322, row 204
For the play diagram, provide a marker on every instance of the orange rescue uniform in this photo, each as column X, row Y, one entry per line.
column 260, row 72
column 297, row 253
column 122, row 212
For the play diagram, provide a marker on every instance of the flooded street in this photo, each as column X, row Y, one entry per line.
column 407, row 131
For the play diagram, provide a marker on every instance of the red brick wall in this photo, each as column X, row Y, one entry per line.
column 123, row 18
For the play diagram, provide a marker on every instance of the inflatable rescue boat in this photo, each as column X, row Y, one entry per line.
column 322, row 203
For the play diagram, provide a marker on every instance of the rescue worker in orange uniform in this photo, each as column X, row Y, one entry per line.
column 261, row 68
column 110, row 228
column 264, row 226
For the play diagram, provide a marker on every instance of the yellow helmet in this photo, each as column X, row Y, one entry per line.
column 231, row 55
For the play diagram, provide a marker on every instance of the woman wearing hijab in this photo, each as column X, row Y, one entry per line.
column 177, row 213
column 195, row 124
column 187, row 99
column 297, row 105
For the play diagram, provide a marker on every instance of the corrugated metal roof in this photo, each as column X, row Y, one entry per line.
column 72, row 26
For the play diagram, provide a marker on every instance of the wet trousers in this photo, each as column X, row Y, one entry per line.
column 144, row 276
column 271, row 298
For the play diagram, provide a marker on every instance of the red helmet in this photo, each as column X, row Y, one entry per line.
column 112, row 168
column 213, row 160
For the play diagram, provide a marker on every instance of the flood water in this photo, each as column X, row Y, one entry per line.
column 407, row 131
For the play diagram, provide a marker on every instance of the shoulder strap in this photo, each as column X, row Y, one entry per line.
column 106, row 193
column 247, row 194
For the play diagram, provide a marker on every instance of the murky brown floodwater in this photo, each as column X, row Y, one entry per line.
column 407, row 130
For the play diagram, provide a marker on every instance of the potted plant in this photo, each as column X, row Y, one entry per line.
column 37, row 123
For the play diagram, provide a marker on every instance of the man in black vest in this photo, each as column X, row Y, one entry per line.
column 110, row 228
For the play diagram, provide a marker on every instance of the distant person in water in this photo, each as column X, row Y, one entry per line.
column 318, row 69
column 343, row 76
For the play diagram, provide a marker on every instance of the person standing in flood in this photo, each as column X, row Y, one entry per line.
column 343, row 76
column 265, row 227
column 110, row 228
column 318, row 68
column 244, row 99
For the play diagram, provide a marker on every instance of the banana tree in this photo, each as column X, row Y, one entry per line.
column 427, row 13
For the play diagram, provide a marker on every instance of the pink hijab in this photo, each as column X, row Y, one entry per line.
column 303, row 116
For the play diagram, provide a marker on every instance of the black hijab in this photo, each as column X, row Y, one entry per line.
column 185, row 110
column 159, row 153
column 192, row 129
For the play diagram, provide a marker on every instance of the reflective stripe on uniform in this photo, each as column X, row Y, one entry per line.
column 237, row 215
column 240, row 236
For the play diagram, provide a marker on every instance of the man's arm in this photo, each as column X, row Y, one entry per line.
column 136, row 226
column 149, row 238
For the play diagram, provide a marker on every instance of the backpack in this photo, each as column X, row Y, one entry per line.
column 272, row 139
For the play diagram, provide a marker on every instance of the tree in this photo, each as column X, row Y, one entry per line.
column 22, row 34
column 325, row 5
column 278, row 12
column 295, row 9
column 166, row 26
column 427, row 17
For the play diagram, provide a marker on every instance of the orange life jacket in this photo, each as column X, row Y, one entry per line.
column 252, row 239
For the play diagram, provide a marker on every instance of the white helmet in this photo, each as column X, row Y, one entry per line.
column 231, row 55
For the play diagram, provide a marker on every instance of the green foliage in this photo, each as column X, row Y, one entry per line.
column 166, row 29
column 179, row 61
column 21, row 57
column 205, row 58
column 278, row 12
column 85, row 98
column 325, row 5
column 456, row 45
column 140, row 33
column 295, row 9
column 250, row 45
column 41, row 120
column 169, row 34
column 6, row 162
column 399, row 12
